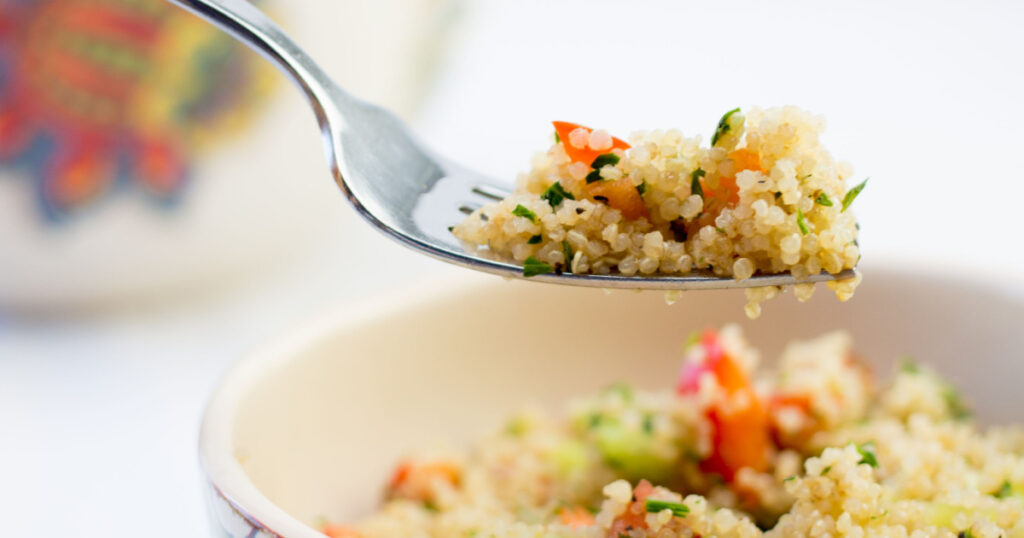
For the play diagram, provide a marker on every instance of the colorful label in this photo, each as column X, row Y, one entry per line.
column 102, row 96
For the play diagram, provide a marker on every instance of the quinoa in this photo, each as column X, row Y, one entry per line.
column 764, row 198
column 811, row 448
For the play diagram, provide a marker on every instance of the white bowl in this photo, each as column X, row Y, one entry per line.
column 310, row 427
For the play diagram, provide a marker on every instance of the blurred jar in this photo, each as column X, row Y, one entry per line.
column 144, row 154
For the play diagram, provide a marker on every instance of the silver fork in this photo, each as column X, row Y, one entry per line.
column 398, row 184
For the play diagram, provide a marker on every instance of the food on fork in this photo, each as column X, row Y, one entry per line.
column 811, row 447
column 764, row 198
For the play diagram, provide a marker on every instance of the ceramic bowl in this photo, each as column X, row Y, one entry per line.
column 309, row 427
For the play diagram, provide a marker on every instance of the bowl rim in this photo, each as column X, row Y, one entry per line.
column 225, row 474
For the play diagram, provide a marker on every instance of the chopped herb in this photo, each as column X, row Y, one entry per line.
column 594, row 176
column 789, row 478
column 604, row 160
column 567, row 252
column 484, row 217
column 622, row 389
column 826, row 470
column 955, row 403
column 642, row 188
column 594, row 420
column 654, row 506
column 695, row 187
column 555, row 194
column 723, row 126
column 824, row 200
column 803, row 177
column 533, row 267
column 852, row 194
column 879, row 516
column 521, row 211
column 867, row 454
column 580, row 211
column 778, row 195
column 534, row 240
column 801, row 222
column 601, row 199
column 429, row 506
column 719, row 230
column 909, row 366
column 648, row 424
column 1005, row 490
column 558, row 139
column 966, row 533
column 451, row 228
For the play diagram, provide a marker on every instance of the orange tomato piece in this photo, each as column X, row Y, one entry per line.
column 339, row 531
column 576, row 517
column 745, row 159
column 619, row 194
column 413, row 481
column 742, row 429
column 582, row 155
column 635, row 516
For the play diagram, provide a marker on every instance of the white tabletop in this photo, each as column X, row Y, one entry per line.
column 99, row 416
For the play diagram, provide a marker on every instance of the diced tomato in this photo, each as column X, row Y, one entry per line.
column 741, row 435
column 583, row 155
column 413, row 481
column 576, row 517
column 339, row 531
column 619, row 194
column 635, row 515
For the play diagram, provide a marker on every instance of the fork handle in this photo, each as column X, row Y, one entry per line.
column 248, row 24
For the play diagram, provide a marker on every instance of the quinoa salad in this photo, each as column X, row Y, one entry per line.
column 812, row 447
column 763, row 198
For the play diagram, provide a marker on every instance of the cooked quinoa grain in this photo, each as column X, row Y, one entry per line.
column 764, row 198
column 812, row 448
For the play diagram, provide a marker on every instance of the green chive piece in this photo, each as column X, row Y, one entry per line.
column 966, row 533
column 558, row 139
column 1005, row 490
column 852, row 194
column 789, row 478
column 909, row 366
column 642, row 188
column 958, row 408
column 723, row 126
column 555, row 194
column 521, row 211
column 604, row 159
column 867, row 454
column 801, row 222
column 695, row 187
column 824, row 200
column 533, row 267
column 826, row 470
column 567, row 252
column 451, row 228
column 593, row 176
column 534, row 240
column 678, row 509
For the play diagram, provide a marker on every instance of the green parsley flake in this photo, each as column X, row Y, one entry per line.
column 1005, row 490
column 852, row 194
column 801, row 222
column 521, row 211
column 604, row 159
column 826, row 470
column 824, row 200
column 958, row 409
column 642, row 188
column 555, row 194
column 678, row 509
column 695, row 187
column 567, row 252
column 723, row 126
column 594, row 176
column 534, row 240
column 966, row 533
column 558, row 139
column 789, row 478
column 533, row 267
column 867, row 454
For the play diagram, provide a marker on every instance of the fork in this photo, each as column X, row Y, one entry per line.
column 402, row 187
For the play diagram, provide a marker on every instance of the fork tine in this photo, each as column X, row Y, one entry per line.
column 468, row 208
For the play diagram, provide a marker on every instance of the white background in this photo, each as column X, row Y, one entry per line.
column 98, row 416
